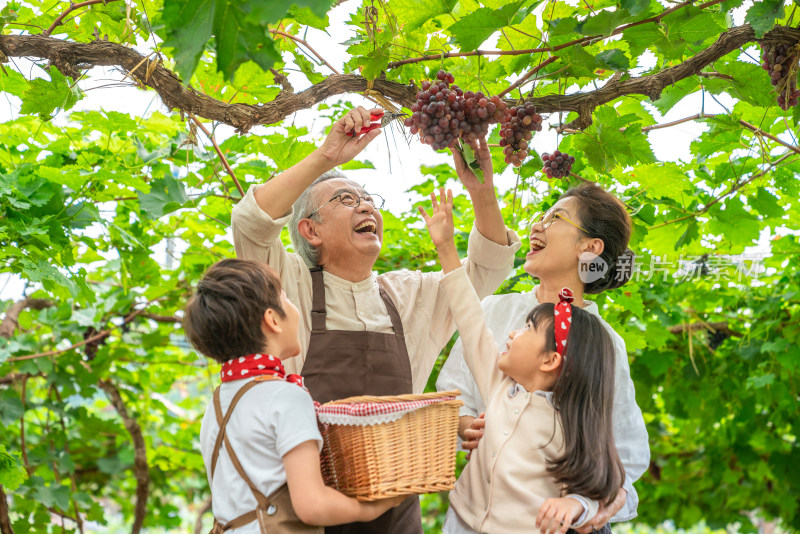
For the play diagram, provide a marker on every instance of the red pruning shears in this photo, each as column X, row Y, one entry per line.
column 378, row 119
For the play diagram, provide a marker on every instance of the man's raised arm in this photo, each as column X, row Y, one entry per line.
column 276, row 196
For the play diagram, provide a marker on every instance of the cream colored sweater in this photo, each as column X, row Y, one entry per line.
column 505, row 481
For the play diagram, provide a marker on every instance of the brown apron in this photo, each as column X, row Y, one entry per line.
column 341, row 364
column 273, row 513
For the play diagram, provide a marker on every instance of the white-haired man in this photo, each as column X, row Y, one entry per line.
column 362, row 333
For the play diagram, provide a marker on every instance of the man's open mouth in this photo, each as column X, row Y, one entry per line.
column 537, row 244
column 366, row 227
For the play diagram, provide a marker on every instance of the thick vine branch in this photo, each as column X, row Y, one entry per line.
column 5, row 520
column 140, row 453
column 11, row 320
column 651, row 85
column 69, row 57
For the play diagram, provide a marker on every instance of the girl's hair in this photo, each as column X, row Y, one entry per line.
column 223, row 318
column 584, row 397
column 603, row 216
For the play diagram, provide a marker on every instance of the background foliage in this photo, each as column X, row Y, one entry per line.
column 110, row 219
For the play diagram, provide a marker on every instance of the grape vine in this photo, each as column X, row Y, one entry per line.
column 516, row 132
column 780, row 61
column 444, row 113
column 558, row 164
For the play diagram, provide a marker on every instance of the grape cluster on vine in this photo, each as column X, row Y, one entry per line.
column 444, row 113
column 780, row 61
column 516, row 132
column 558, row 164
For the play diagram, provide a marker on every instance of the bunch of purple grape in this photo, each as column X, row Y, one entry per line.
column 444, row 113
column 517, row 130
column 558, row 164
column 781, row 63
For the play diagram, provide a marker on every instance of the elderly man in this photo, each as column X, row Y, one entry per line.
column 362, row 333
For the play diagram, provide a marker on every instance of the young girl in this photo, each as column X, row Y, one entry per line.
column 548, row 456
column 259, row 436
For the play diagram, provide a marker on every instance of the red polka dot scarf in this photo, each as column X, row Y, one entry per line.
column 255, row 365
column 563, row 318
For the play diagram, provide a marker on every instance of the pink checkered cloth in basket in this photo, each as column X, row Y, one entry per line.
column 370, row 413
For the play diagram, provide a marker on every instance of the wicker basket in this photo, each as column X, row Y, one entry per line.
column 412, row 455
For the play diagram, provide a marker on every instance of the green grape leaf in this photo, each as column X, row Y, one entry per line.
column 53, row 495
column 189, row 26
column 307, row 17
column 614, row 140
column 635, row 7
column 13, row 82
column 604, row 23
column 275, row 10
column 469, row 158
column 240, row 40
column 12, row 472
column 691, row 25
column 471, row 31
column 44, row 97
column 761, row 15
column 307, row 67
column 614, row 59
column 415, row 13
column 166, row 195
column 9, row 13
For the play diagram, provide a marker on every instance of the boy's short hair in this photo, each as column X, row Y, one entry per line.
column 223, row 318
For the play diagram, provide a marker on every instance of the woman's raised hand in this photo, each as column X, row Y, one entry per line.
column 484, row 158
column 339, row 147
column 440, row 221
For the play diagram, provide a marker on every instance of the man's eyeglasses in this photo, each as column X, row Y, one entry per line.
column 351, row 200
column 549, row 217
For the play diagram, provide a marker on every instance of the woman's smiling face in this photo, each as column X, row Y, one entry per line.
column 555, row 249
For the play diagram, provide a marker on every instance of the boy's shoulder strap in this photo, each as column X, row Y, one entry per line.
column 262, row 500
column 223, row 421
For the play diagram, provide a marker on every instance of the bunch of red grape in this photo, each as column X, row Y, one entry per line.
column 517, row 130
column 558, row 164
column 444, row 113
column 781, row 63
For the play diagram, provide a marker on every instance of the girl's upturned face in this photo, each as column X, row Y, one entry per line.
column 523, row 352
column 556, row 249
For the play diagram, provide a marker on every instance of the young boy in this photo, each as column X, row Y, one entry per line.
column 240, row 317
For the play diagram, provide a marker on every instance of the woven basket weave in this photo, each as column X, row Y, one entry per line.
column 413, row 455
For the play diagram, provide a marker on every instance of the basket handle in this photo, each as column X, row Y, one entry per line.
column 398, row 398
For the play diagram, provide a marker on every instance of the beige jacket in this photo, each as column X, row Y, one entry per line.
column 423, row 308
column 506, row 481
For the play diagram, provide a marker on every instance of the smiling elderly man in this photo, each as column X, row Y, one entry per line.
column 362, row 333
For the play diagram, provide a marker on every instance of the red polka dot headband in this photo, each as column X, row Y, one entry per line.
column 563, row 318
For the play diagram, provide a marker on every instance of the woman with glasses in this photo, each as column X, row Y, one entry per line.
column 362, row 333
column 581, row 243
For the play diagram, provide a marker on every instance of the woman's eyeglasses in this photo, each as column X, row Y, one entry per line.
column 549, row 217
column 351, row 200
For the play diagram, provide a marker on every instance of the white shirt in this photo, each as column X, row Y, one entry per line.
column 424, row 312
column 268, row 421
column 508, row 312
